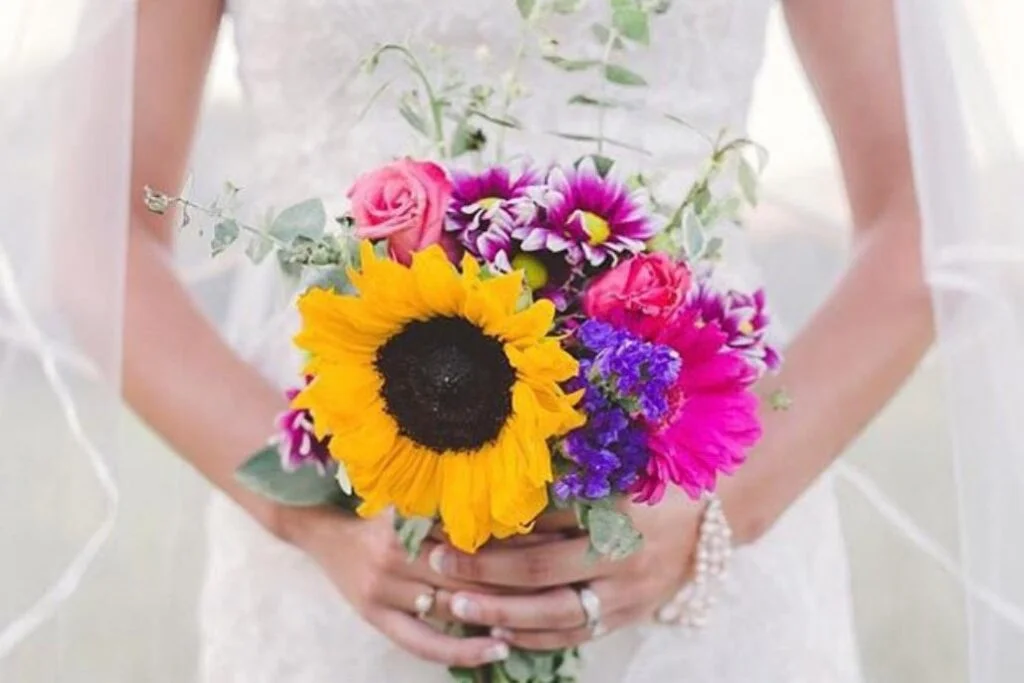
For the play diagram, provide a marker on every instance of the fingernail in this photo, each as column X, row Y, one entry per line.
column 436, row 559
column 501, row 633
column 496, row 653
column 465, row 608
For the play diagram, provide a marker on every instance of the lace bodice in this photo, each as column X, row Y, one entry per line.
column 299, row 68
column 268, row 612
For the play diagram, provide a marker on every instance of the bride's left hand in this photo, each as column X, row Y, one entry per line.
column 551, row 616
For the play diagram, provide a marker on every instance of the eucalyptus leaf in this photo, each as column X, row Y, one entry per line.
column 306, row 486
column 526, row 7
column 602, row 163
column 571, row 64
column 620, row 75
column 518, row 666
column 602, row 34
column 713, row 249
column 412, row 531
column 632, row 23
column 581, row 137
column 224, row 235
column 612, row 534
column 748, row 181
column 258, row 248
column 571, row 665
column 305, row 219
column 693, row 235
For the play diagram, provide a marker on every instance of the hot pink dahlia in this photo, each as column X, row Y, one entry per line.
column 713, row 417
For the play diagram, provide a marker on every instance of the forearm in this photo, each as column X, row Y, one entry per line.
column 186, row 382
column 840, row 371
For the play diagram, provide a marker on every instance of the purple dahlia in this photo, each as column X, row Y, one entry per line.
column 297, row 443
column 589, row 217
column 741, row 316
column 487, row 206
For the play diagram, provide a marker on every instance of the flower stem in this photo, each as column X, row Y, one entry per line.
column 506, row 104
column 606, row 56
column 436, row 106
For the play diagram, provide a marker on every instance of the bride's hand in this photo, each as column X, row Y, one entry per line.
column 364, row 559
column 552, row 617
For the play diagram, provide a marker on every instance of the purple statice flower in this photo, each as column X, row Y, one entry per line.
column 742, row 316
column 626, row 383
column 487, row 206
column 297, row 443
column 589, row 218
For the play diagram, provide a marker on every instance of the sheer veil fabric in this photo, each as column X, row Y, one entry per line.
column 83, row 519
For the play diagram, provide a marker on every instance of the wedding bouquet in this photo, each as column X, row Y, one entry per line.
column 488, row 341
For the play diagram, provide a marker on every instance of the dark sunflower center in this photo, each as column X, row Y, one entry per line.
column 446, row 383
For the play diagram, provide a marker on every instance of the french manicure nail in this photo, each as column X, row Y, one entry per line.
column 496, row 653
column 500, row 633
column 465, row 608
column 436, row 559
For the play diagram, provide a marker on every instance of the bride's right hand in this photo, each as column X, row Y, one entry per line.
column 366, row 562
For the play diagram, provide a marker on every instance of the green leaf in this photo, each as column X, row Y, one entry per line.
column 526, row 7
column 580, row 137
column 224, row 235
column 602, row 34
column 605, row 102
column 693, row 235
column 612, row 534
column 258, row 248
column 518, row 666
column 467, row 139
column 620, row 75
column 571, row 64
column 305, row 219
column 602, row 163
column 413, row 118
column 306, row 486
column 412, row 531
column 503, row 121
column 571, row 665
column 632, row 23
column 748, row 181
column 565, row 6
column 713, row 249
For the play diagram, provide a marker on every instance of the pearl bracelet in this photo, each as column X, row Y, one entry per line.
column 691, row 605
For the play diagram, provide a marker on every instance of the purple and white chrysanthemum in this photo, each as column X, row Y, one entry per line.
column 297, row 443
column 741, row 316
column 487, row 206
column 589, row 217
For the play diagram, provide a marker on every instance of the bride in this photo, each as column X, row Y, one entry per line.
column 312, row 595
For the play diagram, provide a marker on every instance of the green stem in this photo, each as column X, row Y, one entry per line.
column 219, row 215
column 506, row 105
column 414, row 64
column 606, row 56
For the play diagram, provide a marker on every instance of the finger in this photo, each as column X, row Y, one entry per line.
column 540, row 566
column 558, row 608
column 560, row 521
column 405, row 596
column 423, row 641
column 562, row 639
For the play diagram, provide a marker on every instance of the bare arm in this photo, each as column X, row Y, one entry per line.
column 212, row 407
column 178, row 374
column 872, row 331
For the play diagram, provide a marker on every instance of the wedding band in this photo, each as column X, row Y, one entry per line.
column 425, row 602
column 591, row 605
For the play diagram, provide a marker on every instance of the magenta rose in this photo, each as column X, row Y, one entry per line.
column 647, row 287
column 403, row 202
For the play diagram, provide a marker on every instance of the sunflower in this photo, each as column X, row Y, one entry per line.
column 438, row 393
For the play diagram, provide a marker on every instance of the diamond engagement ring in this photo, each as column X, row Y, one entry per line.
column 425, row 602
column 591, row 605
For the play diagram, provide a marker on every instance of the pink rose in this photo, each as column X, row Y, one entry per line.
column 404, row 202
column 646, row 287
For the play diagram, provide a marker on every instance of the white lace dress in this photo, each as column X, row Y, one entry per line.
column 268, row 614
